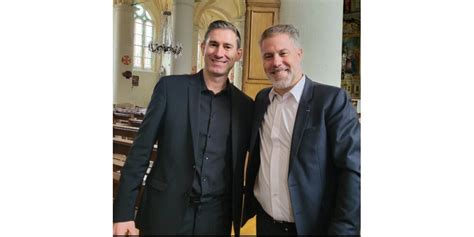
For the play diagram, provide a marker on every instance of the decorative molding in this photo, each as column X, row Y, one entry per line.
column 263, row 3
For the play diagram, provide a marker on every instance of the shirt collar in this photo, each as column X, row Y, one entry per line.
column 296, row 91
column 226, row 89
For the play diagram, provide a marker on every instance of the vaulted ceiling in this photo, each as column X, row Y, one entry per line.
column 205, row 11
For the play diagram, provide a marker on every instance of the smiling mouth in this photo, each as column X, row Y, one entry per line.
column 218, row 62
column 278, row 71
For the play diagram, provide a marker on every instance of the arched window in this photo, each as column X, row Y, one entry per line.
column 144, row 28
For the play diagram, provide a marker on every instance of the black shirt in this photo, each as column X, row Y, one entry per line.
column 213, row 172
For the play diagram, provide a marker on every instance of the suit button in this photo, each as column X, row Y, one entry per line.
column 194, row 166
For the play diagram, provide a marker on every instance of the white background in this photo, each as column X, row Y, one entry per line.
column 417, row 120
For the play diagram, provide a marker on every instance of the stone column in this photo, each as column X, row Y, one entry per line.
column 195, row 49
column 123, row 46
column 183, row 33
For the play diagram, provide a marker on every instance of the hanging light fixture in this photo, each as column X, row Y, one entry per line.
column 166, row 46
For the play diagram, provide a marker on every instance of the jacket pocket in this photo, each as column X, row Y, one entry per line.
column 158, row 184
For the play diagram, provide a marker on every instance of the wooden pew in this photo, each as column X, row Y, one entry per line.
column 119, row 161
column 122, row 142
column 125, row 131
column 127, row 120
column 121, row 117
column 135, row 122
column 122, row 146
column 127, row 112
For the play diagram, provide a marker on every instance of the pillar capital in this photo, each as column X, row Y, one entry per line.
column 184, row 2
column 123, row 2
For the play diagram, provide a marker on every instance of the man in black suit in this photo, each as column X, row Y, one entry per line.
column 202, row 124
column 304, row 167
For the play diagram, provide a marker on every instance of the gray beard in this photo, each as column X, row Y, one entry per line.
column 282, row 84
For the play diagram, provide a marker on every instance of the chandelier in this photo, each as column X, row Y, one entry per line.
column 165, row 46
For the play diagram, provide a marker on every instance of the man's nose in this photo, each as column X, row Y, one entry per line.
column 220, row 52
column 277, row 61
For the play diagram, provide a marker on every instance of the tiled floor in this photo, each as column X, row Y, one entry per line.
column 249, row 227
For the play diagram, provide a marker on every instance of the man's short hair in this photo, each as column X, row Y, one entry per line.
column 220, row 24
column 289, row 30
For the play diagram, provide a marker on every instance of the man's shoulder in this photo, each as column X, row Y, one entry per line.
column 320, row 94
column 241, row 95
column 262, row 93
column 322, row 89
column 179, row 80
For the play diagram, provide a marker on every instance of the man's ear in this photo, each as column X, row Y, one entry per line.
column 239, row 54
column 300, row 52
column 203, row 46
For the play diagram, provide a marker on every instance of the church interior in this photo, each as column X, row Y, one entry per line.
column 154, row 38
column 66, row 65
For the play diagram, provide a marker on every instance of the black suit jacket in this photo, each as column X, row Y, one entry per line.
column 324, row 172
column 172, row 119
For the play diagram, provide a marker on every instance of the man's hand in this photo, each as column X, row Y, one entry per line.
column 125, row 228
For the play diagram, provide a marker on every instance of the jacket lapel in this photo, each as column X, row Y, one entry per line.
column 301, row 118
column 234, row 125
column 260, row 110
column 193, row 103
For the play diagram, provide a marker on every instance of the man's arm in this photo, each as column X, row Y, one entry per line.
column 344, row 139
column 137, row 161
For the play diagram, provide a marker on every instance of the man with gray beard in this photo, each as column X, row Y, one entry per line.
column 303, row 174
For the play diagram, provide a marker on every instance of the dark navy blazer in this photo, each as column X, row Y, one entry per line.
column 324, row 172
